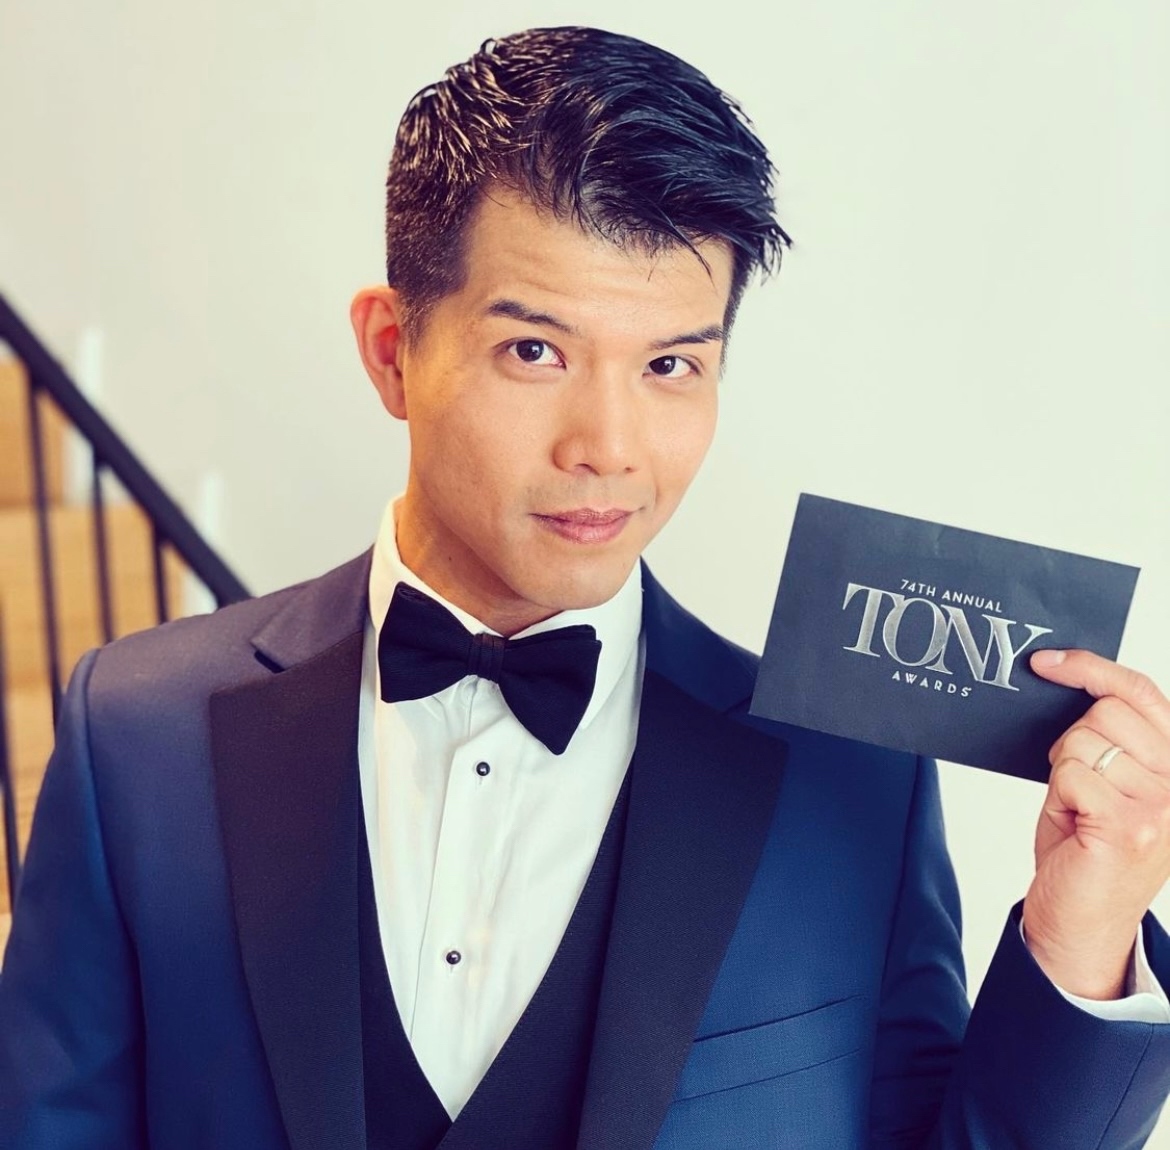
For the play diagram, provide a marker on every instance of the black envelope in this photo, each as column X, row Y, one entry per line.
column 916, row 636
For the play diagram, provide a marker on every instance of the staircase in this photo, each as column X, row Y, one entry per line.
column 28, row 697
column 28, row 706
column 122, row 556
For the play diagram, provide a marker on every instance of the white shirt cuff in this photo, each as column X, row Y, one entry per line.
column 1145, row 999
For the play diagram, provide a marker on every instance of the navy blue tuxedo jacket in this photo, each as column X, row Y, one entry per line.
column 783, row 970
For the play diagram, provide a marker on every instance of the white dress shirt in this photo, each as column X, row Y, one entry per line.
column 481, row 839
column 1145, row 999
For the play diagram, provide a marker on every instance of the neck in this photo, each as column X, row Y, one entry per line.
column 449, row 568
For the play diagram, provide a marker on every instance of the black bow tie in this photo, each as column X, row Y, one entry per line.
column 546, row 679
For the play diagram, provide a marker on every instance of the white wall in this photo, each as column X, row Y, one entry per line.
column 972, row 327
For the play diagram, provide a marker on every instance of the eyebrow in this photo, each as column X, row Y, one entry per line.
column 513, row 309
column 712, row 333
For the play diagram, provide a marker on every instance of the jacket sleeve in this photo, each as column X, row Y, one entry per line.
column 1029, row 1070
column 70, row 1020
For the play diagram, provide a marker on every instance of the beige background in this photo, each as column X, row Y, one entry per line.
column 972, row 327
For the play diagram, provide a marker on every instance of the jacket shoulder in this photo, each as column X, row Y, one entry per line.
column 716, row 671
column 692, row 655
column 200, row 654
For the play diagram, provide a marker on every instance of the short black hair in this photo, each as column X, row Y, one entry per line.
column 626, row 139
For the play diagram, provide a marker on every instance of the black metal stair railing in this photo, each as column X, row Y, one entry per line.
column 7, row 792
column 170, row 527
column 7, row 787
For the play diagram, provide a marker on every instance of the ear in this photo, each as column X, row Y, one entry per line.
column 377, row 316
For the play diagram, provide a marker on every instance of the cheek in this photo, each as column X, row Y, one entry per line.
column 472, row 448
column 681, row 447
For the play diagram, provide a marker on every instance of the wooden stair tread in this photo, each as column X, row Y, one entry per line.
column 132, row 585
column 29, row 712
column 130, row 552
column 131, row 568
column 16, row 483
column 29, row 708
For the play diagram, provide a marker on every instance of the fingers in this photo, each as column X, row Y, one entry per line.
column 1098, row 810
column 1103, row 841
column 1102, row 677
column 1075, row 787
column 1117, row 722
column 1125, row 772
column 1120, row 723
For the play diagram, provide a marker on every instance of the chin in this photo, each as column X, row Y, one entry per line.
column 578, row 591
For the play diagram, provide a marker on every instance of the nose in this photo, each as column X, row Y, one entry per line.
column 601, row 428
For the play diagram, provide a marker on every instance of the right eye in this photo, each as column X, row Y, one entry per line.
column 535, row 352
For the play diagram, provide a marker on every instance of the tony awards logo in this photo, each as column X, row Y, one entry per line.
column 921, row 631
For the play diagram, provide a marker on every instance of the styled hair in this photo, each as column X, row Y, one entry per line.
column 624, row 138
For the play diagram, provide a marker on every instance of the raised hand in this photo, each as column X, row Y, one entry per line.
column 1103, row 839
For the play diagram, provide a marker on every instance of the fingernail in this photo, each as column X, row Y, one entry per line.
column 1047, row 658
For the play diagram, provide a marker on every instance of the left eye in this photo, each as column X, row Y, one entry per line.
column 670, row 367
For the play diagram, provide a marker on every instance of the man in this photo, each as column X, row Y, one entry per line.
column 471, row 842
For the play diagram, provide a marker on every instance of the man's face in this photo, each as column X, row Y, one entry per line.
column 559, row 405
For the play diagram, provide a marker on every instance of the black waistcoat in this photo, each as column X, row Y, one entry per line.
column 533, row 1090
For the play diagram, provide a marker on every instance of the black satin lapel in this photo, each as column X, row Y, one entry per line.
column 703, row 793
column 284, row 752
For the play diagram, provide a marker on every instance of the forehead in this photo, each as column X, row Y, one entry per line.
column 515, row 250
